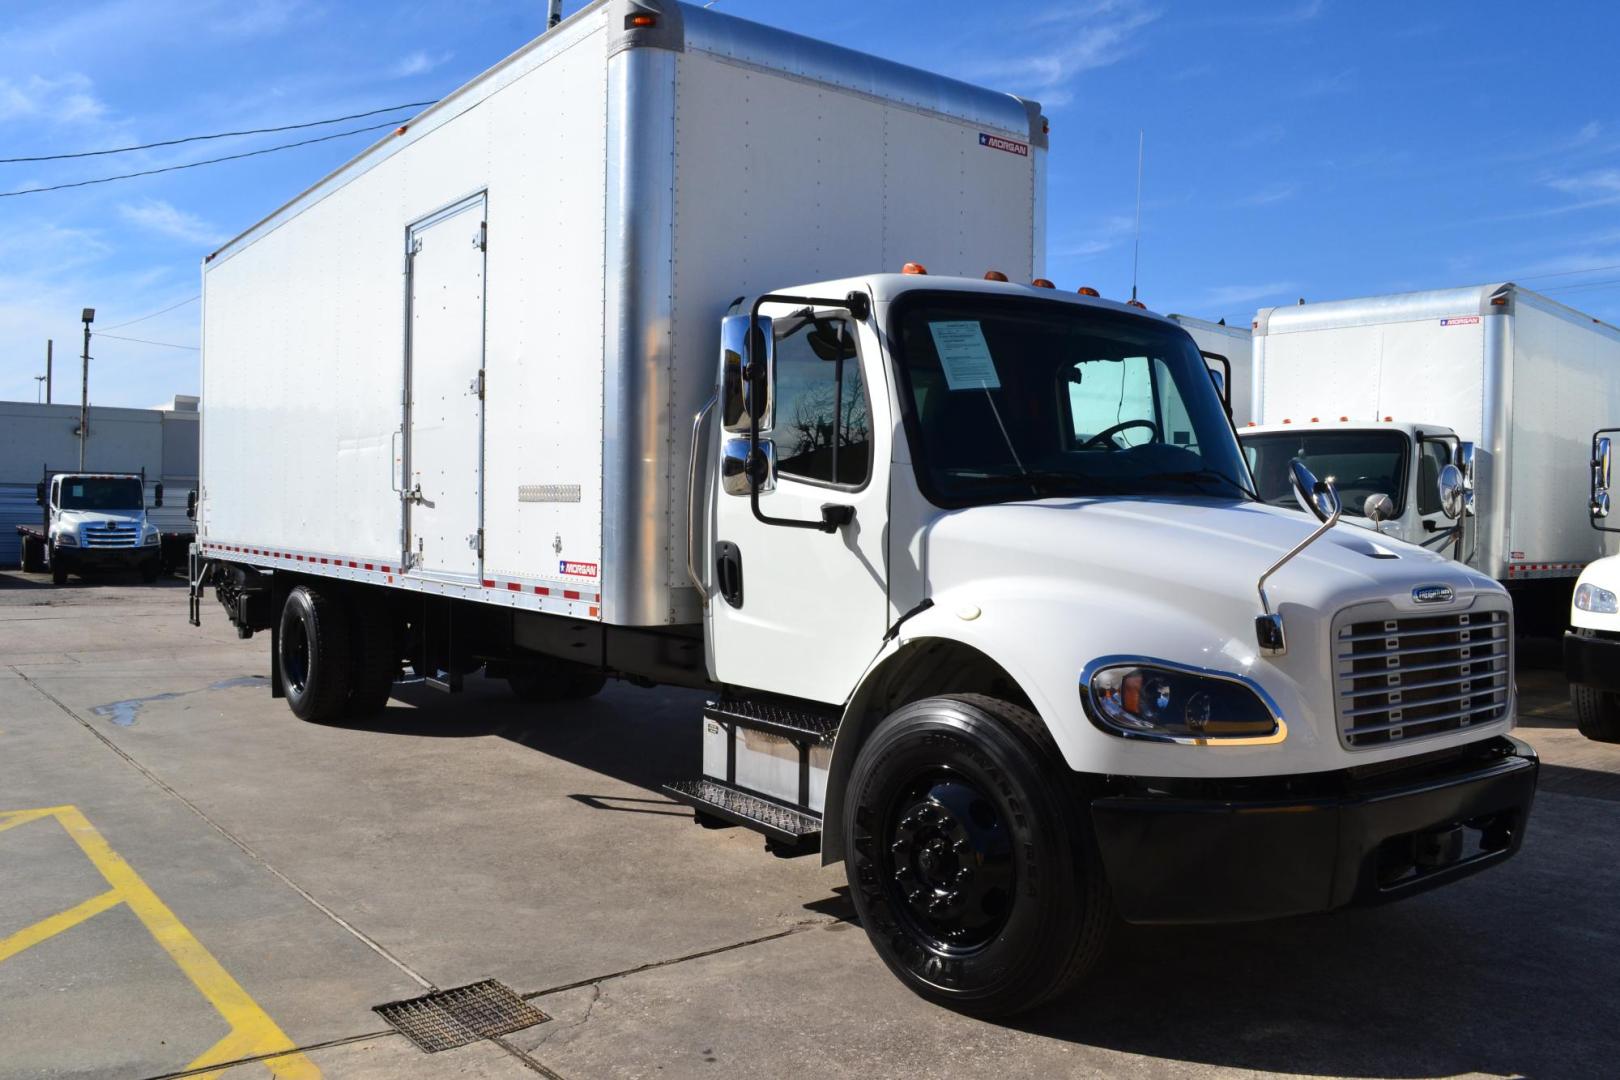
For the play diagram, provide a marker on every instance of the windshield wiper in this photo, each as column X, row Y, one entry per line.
column 1203, row 476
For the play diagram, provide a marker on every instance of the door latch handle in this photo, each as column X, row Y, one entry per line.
column 415, row 496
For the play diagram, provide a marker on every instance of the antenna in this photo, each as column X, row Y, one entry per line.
column 554, row 14
column 1136, row 254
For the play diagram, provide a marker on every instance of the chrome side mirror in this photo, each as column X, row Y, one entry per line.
column 1451, row 492
column 737, row 391
column 1318, row 497
column 735, row 466
column 1378, row 508
column 1601, row 472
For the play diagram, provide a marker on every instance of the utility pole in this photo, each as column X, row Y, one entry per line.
column 48, row 344
column 84, row 386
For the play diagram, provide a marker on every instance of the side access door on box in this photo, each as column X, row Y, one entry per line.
column 442, row 455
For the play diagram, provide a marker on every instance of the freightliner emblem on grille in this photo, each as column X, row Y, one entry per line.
column 1433, row 594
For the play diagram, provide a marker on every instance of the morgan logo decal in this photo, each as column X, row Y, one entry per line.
column 1433, row 594
column 1460, row 320
column 996, row 142
column 577, row 569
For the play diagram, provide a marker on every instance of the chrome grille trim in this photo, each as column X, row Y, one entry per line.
column 1462, row 661
column 114, row 536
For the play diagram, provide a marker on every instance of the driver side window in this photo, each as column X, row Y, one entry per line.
column 1105, row 393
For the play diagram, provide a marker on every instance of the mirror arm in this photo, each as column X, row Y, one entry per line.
column 833, row 516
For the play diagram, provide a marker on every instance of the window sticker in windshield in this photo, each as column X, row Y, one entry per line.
column 964, row 355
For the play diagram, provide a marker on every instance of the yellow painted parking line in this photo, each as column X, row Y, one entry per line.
column 252, row 1032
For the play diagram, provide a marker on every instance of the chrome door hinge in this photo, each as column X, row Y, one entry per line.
column 476, row 542
column 481, row 237
column 477, row 385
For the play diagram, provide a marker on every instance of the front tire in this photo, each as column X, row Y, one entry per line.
column 33, row 555
column 313, row 654
column 1597, row 712
column 970, row 857
column 59, row 571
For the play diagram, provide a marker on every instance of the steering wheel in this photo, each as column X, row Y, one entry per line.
column 1106, row 436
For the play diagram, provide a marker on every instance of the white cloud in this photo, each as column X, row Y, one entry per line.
column 1236, row 295
column 1271, row 193
column 69, row 99
column 418, row 63
column 1596, row 182
column 165, row 219
column 1093, row 35
column 261, row 18
column 1098, row 238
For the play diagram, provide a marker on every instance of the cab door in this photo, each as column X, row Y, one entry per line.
column 442, row 496
column 793, row 609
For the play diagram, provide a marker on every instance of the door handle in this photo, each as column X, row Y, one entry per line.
column 728, row 572
column 415, row 496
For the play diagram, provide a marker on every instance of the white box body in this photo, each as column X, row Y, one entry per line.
column 626, row 190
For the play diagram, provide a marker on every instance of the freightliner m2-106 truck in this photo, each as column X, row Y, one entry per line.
column 970, row 567
column 1499, row 382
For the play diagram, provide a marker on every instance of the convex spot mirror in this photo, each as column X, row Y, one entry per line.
column 1451, row 492
column 39, row 493
column 191, row 504
column 742, row 398
column 1378, row 508
column 1318, row 497
column 157, row 495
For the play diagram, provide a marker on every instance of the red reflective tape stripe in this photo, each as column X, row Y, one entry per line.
column 351, row 564
column 386, row 570
column 514, row 586
column 593, row 613
column 542, row 590
column 488, row 584
column 368, row 566
column 570, row 594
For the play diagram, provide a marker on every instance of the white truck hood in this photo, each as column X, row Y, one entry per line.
column 1046, row 587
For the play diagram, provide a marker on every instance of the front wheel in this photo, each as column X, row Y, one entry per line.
column 1597, row 712
column 970, row 858
column 59, row 571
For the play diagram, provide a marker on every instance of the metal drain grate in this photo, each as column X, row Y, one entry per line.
column 446, row 1019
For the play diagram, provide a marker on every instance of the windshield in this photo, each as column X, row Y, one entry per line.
column 1361, row 463
column 1018, row 398
column 101, row 493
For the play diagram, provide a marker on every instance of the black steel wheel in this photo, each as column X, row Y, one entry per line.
column 33, row 555
column 970, row 857
column 59, row 570
column 313, row 654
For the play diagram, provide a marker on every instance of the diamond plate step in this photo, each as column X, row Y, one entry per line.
column 797, row 828
column 799, row 724
column 446, row 1019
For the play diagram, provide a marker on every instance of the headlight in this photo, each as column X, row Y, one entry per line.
column 66, row 539
column 1161, row 701
column 151, row 535
column 1598, row 601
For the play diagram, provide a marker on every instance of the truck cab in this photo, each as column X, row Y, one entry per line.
column 98, row 521
column 1392, row 476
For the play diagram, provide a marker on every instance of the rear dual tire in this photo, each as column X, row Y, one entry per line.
column 337, row 653
column 970, row 857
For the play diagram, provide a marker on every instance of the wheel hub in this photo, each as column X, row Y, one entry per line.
column 951, row 861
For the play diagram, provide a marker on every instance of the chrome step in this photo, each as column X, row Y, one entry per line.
column 797, row 723
column 783, row 824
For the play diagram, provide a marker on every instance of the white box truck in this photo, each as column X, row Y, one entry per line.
column 1384, row 392
column 594, row 371
column 1592, row 640
column 1228, row 351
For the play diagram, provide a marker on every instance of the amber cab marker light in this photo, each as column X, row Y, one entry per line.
column 402, row 129
column 1136, row 303
column 1087, row 290
column 1042, row 283
column 1389, row 419
column 1499, row 301
column 914, row 268
column 994, row 275
column 640, row 22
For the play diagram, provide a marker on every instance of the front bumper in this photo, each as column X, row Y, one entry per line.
column 94, row 558
column 1592, row 661
column 1236, row 851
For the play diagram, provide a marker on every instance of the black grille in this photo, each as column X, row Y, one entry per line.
column 1410, row 677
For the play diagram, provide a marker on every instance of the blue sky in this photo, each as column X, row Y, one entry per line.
column 1310, row 149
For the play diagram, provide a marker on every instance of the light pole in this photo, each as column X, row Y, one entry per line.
column 89, row 317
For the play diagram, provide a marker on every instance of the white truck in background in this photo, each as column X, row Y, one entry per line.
column 93, row 522
column 1592, row 642
column 1229, row 351
column 969, row 565
column 1501, row 383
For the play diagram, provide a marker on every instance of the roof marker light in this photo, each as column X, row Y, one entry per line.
column 914, row 268
column 640, row 21
column 1388, row 419
column 1286, row 420
column 1042, row 283
column 402, row 129
column 1136, row 303
column 1316, row 419
column 1499, row 301
column 1344, row 419
column 994, row 275
column 1087, row 290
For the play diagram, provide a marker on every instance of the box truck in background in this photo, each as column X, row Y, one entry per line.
column 1227, row 350
column 1500, row 382
column 599, row 360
